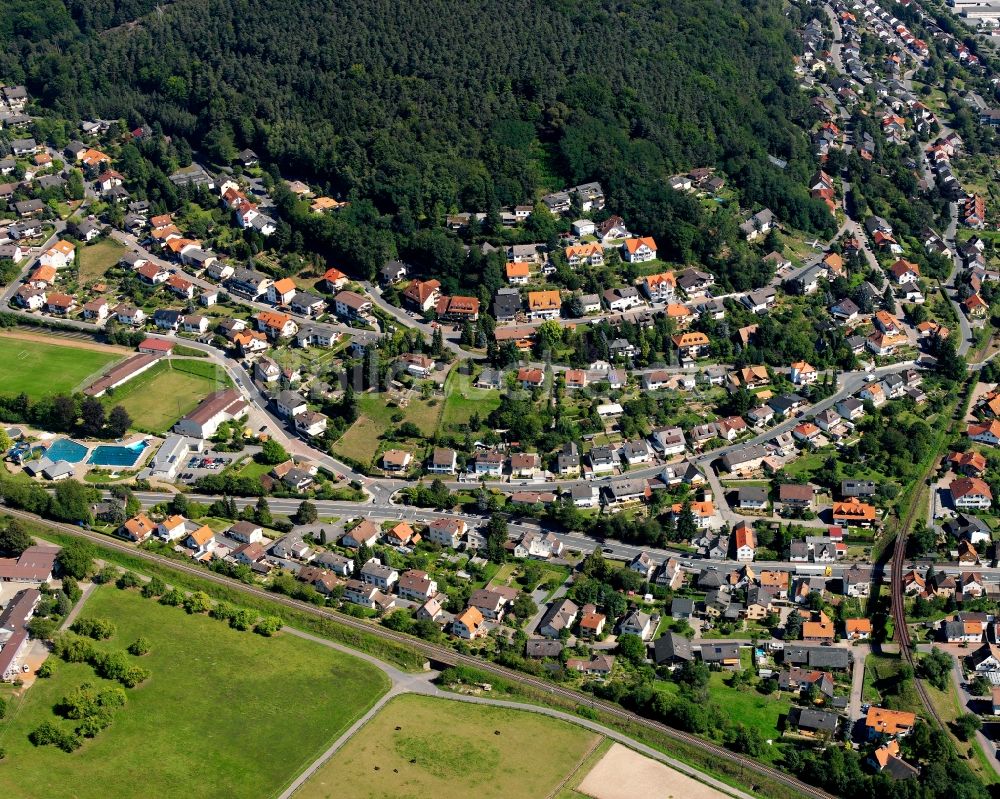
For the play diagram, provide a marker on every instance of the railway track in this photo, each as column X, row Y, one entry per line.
column 444, row 655
column 902, row 632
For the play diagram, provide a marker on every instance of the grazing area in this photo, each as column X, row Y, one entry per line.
column 43, row 368
column 159, row 397
column 223, row 713
column 421, row 746
column 98, row 258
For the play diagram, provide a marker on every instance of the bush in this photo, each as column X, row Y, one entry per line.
column 71, row 589
column 98, row 629
column 107, row 575
column 268, row 626
column 243, row 620
column 72, row 648
column 173, row 597
column 128, row 580
column 116, row 666
column 198, row 602
column 48, row 734
column 140, row 646
column 47, row 669
column 155, row 587
column 42, row 629
column 223, row 611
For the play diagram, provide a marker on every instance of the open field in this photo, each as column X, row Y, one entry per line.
column 462, row 400
column 98, row 258
column 159, row 397
column 623, row 774
column 420, row 746
column 748, row 706
column 42, row 368
column 881, row 681
column 225, row 713
column 418, row 411
column 362, row 440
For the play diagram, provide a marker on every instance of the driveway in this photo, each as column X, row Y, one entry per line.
column 860, row 653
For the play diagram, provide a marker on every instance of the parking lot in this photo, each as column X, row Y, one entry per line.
column 199, row 465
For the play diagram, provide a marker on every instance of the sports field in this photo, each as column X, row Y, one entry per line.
column 159, row 397
column 43, row 368
column 224, row 714
column 419, row 746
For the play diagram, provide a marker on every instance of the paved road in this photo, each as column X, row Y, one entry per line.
column 87, row 590
column 570, row 539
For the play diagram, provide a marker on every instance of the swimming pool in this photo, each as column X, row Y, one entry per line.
column 114, row 455
column 66, row 449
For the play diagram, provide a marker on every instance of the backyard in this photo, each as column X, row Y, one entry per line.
column 98, row 258
column 43, row 368
column 159, row 397
column 422, row 746
column 746, row 705
column 224, row 713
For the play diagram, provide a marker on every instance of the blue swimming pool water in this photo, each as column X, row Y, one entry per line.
column 65, row 449
column 114, row 455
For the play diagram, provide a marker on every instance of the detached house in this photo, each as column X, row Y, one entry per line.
column 971, row 493
column 351, row 305
column 661, row 287
column 637, row 251
column 422, row 295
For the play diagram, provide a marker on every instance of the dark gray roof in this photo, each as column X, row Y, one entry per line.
column 536, row 648
column 713, row 653
column 671, row 647
column 682, row 604
column 811, row 719
column 827, row 657
column 752, row 494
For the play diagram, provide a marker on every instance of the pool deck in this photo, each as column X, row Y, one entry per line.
column 89, row 447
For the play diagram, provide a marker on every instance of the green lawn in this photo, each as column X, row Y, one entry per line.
column 362, row 440
column 420, row 746
column 98, row 258
column 42, row 369
column 749, row 707
column 418, row 411
column 225, row 713
column 253, row 469
column 882, row 687
column 462, row 400
column 159, row 397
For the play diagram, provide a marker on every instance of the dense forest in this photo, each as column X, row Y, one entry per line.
column 432, row 106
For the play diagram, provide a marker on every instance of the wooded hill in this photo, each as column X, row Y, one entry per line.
column 431, row 106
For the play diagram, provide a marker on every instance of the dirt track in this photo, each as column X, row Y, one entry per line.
column 624, row 774
column 64, row 341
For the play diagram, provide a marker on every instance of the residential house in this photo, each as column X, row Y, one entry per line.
column 725, row 655
column 971, row 493
column 639, row 250
column 560, row 616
